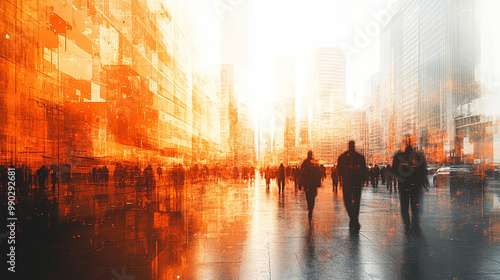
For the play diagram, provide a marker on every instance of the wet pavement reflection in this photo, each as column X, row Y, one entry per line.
column 240, row 230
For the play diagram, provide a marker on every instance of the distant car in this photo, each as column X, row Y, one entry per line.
column 457, row 175
column 432, row 168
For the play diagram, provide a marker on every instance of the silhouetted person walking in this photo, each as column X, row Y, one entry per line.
column 296, row 176
column 310, row 181
column 159, row 171
column 42, row 173
column 411, row 169
column 388, row 177
column 94, row 175
column 267, row 177
column 335, row 178
column 55, row 176
column 105, row 172
column 375, row 174
column 281, row 178
column 352, row 171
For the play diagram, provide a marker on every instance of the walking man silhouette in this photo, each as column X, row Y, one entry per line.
column 411, row 169
column 310, row 181
column 281, row 179
column 352, row 171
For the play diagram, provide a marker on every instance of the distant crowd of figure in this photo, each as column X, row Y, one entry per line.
column 42, row 179
column 47, row 177
column 407, row 176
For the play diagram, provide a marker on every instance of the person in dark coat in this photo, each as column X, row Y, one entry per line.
column 322, row 170
column 267, row 177
column 105, row 172
column 296, row 176
column 352, row 171
column 310, row 181
column 383, row 170
column 411, row 170
column 335, row 178
column 281, row 178
column 55, row 176
column 94, row 175
column 42, row 173
column 388, row 177
column 159, row 171
column 375, row 174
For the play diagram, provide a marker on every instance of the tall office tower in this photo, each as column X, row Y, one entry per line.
column 234, row 42
column 265, row 132
column 427, row 72
column 245, row 139
column 303, row 134
column 375, row 129
column 488, row 78
column 358, row 130
column 329, row 120
column 228, row 101
column 284, row 140
column 234, row 50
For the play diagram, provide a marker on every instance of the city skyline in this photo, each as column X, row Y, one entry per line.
column 424, row 76
column 250, row 139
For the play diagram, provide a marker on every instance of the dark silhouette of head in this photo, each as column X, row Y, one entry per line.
column 310, row 155
column 408, row 148
column 351, row 145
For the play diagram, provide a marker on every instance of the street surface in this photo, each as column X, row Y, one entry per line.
column 239, row 230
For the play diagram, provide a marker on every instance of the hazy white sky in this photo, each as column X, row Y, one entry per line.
column 297, row 27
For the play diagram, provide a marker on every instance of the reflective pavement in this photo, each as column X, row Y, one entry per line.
column 240, row 230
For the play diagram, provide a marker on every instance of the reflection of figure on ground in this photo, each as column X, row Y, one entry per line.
column 335, row 178
column 352, row 171
column 310, row 181
column 411, row 169
column 281, row 178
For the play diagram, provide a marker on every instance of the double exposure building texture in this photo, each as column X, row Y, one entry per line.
column 100, row 80
column 329, row 111
column 427, row 69
column 285, row 132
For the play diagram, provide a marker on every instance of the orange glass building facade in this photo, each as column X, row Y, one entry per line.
column 103, row 81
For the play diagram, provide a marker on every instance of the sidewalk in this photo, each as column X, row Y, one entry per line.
column 240, row 231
